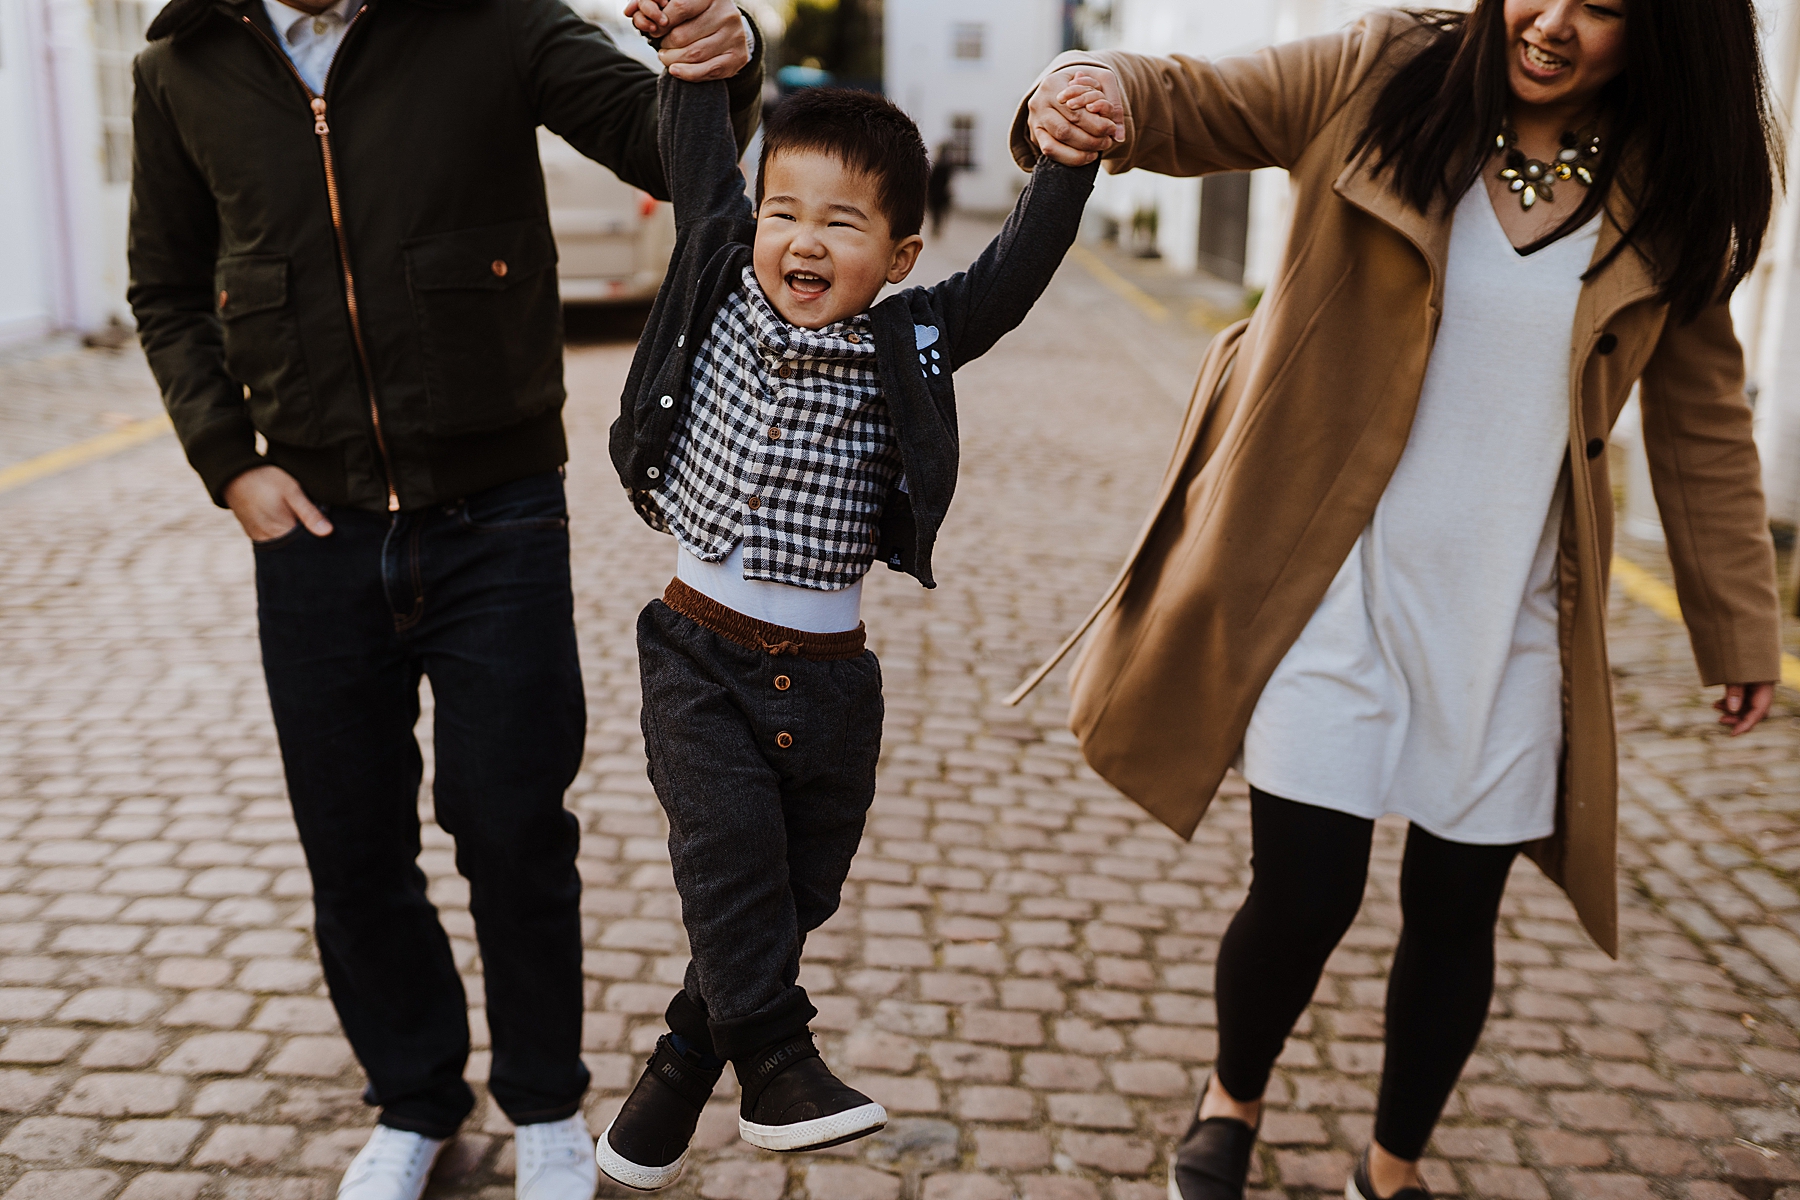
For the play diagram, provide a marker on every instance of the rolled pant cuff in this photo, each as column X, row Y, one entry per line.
column 436, row 1130
column 741, row 1037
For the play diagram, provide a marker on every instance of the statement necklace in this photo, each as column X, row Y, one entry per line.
column 1532, row 179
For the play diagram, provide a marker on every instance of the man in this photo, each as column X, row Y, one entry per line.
column 340, row 242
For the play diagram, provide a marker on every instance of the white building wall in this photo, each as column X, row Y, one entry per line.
column 924, row 77
column 27, row 301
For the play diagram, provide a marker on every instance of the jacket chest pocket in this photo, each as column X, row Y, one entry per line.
column 262, row 344
column 490, row 324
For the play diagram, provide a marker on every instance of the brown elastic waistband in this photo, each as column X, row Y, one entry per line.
column 734, row 626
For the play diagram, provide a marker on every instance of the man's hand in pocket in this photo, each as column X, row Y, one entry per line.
column 268, row 503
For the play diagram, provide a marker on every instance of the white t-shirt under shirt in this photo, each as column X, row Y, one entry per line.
column 1428, row 683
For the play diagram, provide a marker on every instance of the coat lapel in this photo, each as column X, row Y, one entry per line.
column 1356, row 184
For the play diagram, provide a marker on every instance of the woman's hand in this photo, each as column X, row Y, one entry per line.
column 1744, row 705
column 1076, row 114
column 698, row 39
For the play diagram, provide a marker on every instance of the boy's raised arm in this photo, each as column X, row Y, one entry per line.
column 988, row 300
column 700, row 153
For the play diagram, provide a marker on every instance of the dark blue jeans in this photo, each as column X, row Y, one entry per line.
column 475, row 596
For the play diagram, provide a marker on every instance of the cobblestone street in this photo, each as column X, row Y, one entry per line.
column 1022, row 969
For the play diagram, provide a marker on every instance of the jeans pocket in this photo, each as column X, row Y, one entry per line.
column 535, row 502
column 280, row 539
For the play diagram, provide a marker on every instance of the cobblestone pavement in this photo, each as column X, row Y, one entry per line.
column 1022, row 969
column 55, row 393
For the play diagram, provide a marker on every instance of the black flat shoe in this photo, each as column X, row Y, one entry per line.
column 1212, row 1161
column 793, row 1102
column 646, row 1146
column 1359, row 1187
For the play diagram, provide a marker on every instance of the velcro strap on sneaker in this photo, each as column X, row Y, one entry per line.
column 770, row 1061
column 692, row 1083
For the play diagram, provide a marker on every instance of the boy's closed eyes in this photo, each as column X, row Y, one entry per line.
column 824, row 246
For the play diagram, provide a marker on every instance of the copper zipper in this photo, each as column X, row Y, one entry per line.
column 323, row 131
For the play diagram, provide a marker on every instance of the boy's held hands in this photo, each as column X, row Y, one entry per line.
column 269, row 503
column 1077, row 114
column 699, row 40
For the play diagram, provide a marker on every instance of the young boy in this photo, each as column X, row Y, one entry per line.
column 788, row 434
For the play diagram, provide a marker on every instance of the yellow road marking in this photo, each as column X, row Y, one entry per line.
column 1096, row 266
column 122, row 438
column 1660, row 598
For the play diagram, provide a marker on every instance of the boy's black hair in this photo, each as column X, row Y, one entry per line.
column 868, row 134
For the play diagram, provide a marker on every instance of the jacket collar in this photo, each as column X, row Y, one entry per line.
column 1626, row 280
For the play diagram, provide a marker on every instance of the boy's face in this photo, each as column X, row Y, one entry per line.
column 823, row 244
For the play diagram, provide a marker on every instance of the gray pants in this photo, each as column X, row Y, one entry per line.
column 765, row 764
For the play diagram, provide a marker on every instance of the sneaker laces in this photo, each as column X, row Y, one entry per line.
column 392, row 1153
column 551, row 1144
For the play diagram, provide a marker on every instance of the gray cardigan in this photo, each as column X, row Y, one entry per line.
column 946, row 325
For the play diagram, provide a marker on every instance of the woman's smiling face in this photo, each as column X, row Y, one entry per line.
column 1563, row 52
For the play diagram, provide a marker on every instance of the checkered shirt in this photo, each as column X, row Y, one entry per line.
column 786, row 446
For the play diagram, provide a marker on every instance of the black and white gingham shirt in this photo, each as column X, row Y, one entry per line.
column 786, row 445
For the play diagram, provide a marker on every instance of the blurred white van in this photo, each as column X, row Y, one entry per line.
column 612, row 240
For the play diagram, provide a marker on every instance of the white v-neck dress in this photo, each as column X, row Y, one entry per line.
column 1429, row 681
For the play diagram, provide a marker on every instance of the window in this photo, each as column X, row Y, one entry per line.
column 968, row 41
column 118, row 35
column 962, row 141
column 1225, row 224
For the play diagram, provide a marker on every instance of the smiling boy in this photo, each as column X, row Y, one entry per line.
column 789, row 432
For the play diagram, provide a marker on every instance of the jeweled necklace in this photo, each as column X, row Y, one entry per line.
column 1533, row 179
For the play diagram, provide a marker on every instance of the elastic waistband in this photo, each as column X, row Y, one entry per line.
column 734, row 626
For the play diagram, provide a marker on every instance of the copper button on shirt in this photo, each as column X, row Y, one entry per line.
column 774, row 433
column 498, row 267
column 753, row 503
column 784, row 740
column 782, row 684
column 786, row 372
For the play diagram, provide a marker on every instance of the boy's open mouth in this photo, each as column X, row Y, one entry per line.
column 807, row 285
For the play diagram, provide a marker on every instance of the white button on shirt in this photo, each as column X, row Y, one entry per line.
column 311, row 40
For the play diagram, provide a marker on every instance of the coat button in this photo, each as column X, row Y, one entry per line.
column 667, row 402
column 653, row 472
column 774, row 433
column 1594, row 447
column 856, row 339
column 784, row 739
column 498, row 267
column 1608, row 343
column 753, row 503
column 223, row 297
column 786, row 372
column 782, row 684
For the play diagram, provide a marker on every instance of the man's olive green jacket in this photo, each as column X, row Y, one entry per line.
column 367, row 277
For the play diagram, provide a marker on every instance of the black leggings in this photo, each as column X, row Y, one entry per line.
column 1309, row 867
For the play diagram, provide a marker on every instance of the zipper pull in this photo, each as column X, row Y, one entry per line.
column 319, row 125
column 393, row 499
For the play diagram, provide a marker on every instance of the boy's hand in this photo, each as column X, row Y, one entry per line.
column 698, row 39
column 1076, row 114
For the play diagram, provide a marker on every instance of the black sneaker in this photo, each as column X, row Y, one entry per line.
column 792, row 1101
column 1213, row 1160
column 1360, row 1188
column 646, row 1146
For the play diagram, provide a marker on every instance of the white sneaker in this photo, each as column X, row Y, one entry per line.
column 392, row 1165
column 556, row 1160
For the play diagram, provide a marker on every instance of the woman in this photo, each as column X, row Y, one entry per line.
column 1376, row 578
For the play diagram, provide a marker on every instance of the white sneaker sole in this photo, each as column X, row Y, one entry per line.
column 623, row 1171
column 815, row 1134
column 1351, row 1191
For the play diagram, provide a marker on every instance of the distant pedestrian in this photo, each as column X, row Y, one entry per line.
column 339, row 242
column 938, row 192
column 1376, row 579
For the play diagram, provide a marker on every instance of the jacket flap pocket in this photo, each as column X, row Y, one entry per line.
column 250, row 284
column 493, row 257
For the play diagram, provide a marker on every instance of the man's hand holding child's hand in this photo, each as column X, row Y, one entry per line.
column 699, row 39
column 1076, row 115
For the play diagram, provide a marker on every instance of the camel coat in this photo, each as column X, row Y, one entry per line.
column 1299, row 417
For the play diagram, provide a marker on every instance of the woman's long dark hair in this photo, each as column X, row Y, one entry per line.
column 1689, row 116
